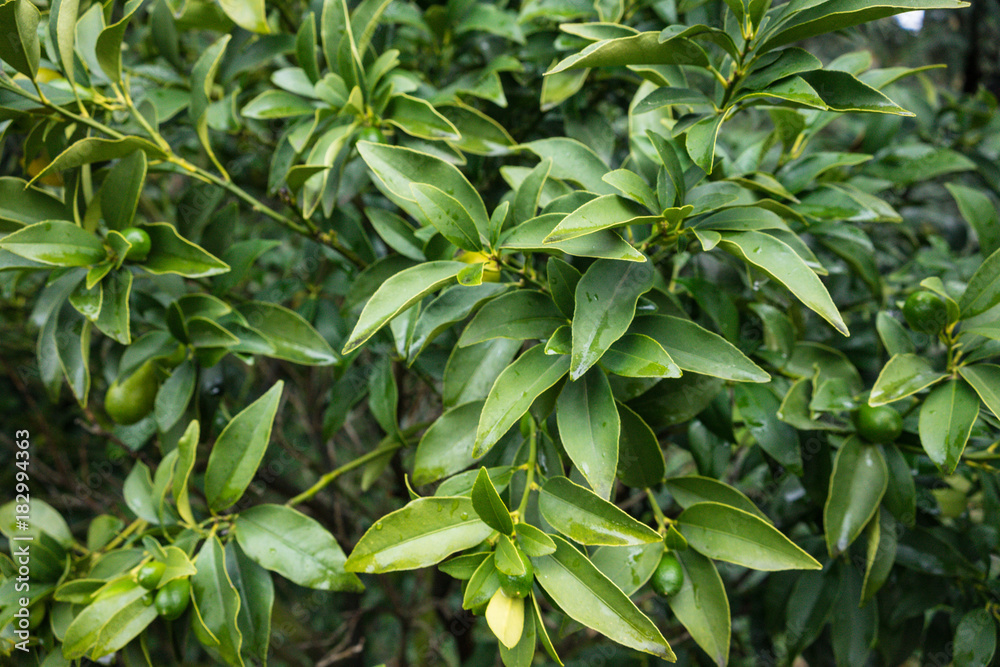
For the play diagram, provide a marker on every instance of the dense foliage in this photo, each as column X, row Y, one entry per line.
column 552, row 332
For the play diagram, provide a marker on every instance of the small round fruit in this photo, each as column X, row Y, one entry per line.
column 925, row 312
column 173, row 598
column 879, row 424
column 129, row 401
column 517, row 586
column 372, row 134
column 150, row 574
column 491, row 269
column 140, row 241
column 668, row 577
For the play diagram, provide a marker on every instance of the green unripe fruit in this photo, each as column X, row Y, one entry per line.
column 518, row 586
column 372, row 134
column 140, row 241
column 133, row 399
column 879, row 424
column 173, row 598
column 925, row 312
column 150, row 574
column 148, row 598
column 668, row 577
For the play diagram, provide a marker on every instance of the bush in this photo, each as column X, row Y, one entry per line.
column 618, row 280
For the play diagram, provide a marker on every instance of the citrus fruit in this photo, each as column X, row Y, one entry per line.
column 925, row 312
column 668, row 577
column 140, row 241
column 520, row 585
column 878, row 424
column 129, row 401
column 372, row 134
column 149, row 574
column 172, row 599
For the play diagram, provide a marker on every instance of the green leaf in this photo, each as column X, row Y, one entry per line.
column 572, row 161
column 605, row 305
column 640, row 459
column 121, row 190
column 202, row 81
column 446, row 447
column 669, row 96
column 588, row 428
column 983, row 290
column 701, row 138
column 732, row 535
column 642, row 49
column 639, row 356
column 293, row 338
column 985, row 379
column 880, row 554
column 56, row 242
column 628, row 567
column 975, row 639
column 514, row 391
column 843, row 92
column 605, row 212
column 702, row 606
column 447, row 215
column 256, row 590
column 174, row 394
column 857, row 484
column 488, row 505
column 452, row 306
column 519, row 315
column 471, row 371
column 108, row 47
column 247, row 14
column 418, row 118
column 533, row 541
column 698, row 350
column 172, row 253
column 24, row 205
column 778, row 259
column 218, row 603
column 106, row 625
column 239, row 450
column 587, row 518
column 483, row 583
column 605, row 244
column 62, row 33
column 758, row 407
column 832, row 15
column 95, row 149
column 508, row 560
column 397, row 168
column 297, row 547
column 978, row 210
column 422, row 533
column 277, row 104
column 692, row 489
column 20, row 49
column 589, row 597
column 397, row 294
column 946, row 420
column 902, row 376
column 114, row 319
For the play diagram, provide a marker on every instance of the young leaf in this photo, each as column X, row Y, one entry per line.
column 589, row 597
column 505, row 616
column 857, row 484
column 297, row 547
column 247, row 14
column 239, row 450
column 488, row 505
column 585, row 517
column 424, row 532
column 726, row 533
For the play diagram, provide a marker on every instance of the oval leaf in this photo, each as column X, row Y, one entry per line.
column 585, row 517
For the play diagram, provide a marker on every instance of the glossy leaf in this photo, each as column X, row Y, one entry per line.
column 702, row 607
column 256, row 591
column 589, row 597
column 422, row 533
column 946, row 420
column 726, row 533
column 172, row 253
column 106, row 625
column 239, row 450
column 96, row 149
column 758, row 406
column 694, row 348
column 488, row 505
column 604, row 212
column 24, row 205
column 56, row 242
column 983, row 290
column 640, row 459
column 629, row 567
column 518, row 315
column 297, row 547
column 902, row 376
column 247, row 14
column 691, row 489
column 21, row 50
column 399, row 293
column 587, row 518
column 985, row 379
column 979, row 211
column 588, row 428
column 642, row 49
column 639, row 356
column 857, row 484
column 217, row 603
column 446, row 447
column 291, row 336
column 605, row 305
column 513, row 393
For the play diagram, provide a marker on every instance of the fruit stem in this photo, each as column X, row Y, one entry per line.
column 662, row 520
